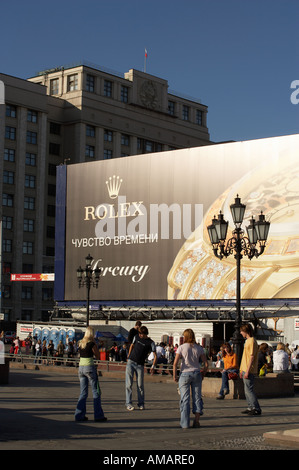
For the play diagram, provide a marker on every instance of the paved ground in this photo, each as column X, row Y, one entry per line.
column 37, row 412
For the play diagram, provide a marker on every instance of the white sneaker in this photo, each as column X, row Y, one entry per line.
column 130, row 408
column 141, row 407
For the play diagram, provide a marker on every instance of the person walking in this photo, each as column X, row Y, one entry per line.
column 190, row 378
column 139, row 350
column 248, row 369
column 88, row 375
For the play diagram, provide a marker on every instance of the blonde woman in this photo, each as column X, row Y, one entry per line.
column 190, row 355
column 88, row 374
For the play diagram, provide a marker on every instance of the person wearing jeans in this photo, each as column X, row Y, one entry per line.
column 139, row 350
column 230, row 365
column 248, row 369
column 88, row 375
column 138, row 369
column 190, row 378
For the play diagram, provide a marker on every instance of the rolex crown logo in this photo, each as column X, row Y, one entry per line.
column 113, row 186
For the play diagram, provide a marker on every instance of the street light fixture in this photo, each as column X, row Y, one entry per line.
column 251, row 246
column 88, row 277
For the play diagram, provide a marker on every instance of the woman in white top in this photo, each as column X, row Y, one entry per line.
column 280, row 359
column 190, row 355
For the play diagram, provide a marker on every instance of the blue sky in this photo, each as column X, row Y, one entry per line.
column 238, row 56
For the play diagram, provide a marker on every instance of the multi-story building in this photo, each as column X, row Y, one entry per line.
column 71, row 115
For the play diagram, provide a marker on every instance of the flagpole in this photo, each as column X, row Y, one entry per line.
column 145, row 57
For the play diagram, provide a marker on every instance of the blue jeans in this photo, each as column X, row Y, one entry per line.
column 190, row 381
column 37, row 354
column 131, row 369
column 250, row 395
column 88, row 374
column 225, row 379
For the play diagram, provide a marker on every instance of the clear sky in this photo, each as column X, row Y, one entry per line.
column 239, row 57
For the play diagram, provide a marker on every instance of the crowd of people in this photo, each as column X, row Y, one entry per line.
column 43, row 351
column 189, row 365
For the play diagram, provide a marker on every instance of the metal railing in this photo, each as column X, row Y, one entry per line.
column 66, row 361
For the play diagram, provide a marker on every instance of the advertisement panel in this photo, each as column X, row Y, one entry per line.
column 143, row 220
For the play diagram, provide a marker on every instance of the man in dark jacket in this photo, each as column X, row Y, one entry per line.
column 139, row 350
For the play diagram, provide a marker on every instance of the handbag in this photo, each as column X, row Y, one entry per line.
column 263, row 371
column 233, row 376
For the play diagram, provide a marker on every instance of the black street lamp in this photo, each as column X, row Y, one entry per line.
column 251, row 246
column 90, row 278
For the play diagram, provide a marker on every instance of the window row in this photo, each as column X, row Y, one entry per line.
column 186, row 113
column 27, row 293
column 108, row 135
column 72, row 84
column 11, row 111
column 9, row 178
column 29, row 202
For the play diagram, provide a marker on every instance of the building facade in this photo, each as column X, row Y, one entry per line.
column 71, row 115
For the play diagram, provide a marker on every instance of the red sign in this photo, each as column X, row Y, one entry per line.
column 33, row 277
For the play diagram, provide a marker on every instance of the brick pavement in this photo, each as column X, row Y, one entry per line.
column 37, row 412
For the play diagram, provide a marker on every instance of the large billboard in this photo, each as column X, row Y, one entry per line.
column 143, row 219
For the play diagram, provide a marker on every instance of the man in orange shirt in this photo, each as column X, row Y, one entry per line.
column 230, row 365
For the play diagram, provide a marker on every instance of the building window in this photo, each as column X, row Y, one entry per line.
column 7, row 200
column 7, row 222
column 27, row 248
column 149, row 146
column 108, row 136
column 125, row 140
column 11, row 111
column 7, row 245
column 199, row 117
column 171, row 108
column 8, row 177
column 27, row 268
column 31, row 137
column 47, row 293
column 107, row 154
column 28, row 225
column 9, row 155
column 51, row 190
column 6, row 267
column 54, row 86
column 50, row 251
column 30, row 159
column 26, row 315
column 186, row 111
column 52, row 169
column 10, row 133
column 31, row 116
column 30, row 181
column 54, row 149
column 124, row 94
column 7, row 292
column 89, row 151
column 72, row 82
column 90, row 82
column 51, row 210
column 108, row 88
column 90, row 131
column 29, row 203
column 27, row 293
column 54, row 128
column 50, row 231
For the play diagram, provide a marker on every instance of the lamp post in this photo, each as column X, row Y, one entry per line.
column 239, row 245
column 90, row 278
